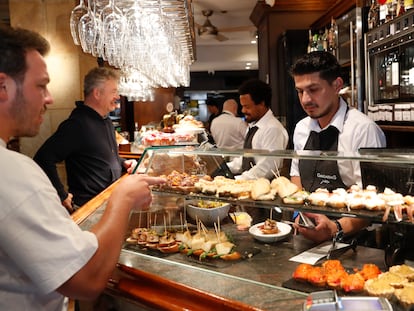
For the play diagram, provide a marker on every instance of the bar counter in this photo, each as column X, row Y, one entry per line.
column 256, row 281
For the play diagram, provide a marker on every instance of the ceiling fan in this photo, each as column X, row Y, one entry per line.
column 208, row 30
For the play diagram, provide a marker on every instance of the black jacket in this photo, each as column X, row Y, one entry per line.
column 87, row 144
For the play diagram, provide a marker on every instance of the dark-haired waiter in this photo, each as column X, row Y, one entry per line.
column 265, row 132
column 330, row 125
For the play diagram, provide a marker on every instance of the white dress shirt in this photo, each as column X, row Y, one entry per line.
column 228, row 131
column 271, row 135
column 356, row 131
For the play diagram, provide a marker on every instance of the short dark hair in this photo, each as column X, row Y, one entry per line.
column 96, row 76
column 258, row 90
column 14, row 44
column 319, row 61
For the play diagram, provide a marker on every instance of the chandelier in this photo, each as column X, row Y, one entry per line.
column 150, row 41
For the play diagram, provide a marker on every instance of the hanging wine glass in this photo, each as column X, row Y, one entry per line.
column 113, row 30
column 87, row 29
column 75, row 16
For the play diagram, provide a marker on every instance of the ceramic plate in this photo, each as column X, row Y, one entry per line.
column 284, row 231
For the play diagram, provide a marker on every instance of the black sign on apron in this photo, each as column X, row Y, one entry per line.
column 248, row 162
column 321, row 173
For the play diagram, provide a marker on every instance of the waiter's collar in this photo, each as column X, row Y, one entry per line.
column 262, row 120
column 337, row 120
column 3, row 143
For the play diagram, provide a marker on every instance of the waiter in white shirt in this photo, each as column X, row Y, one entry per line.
column 265, row 132
column 227, row 129
column 330, row 125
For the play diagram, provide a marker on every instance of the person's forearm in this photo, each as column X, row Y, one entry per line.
column 296, row 180
column 353, row 225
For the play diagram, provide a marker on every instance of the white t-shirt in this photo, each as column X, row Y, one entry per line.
column 228, row 131
column 40, row 245
column 271, row 135
column 356, row 131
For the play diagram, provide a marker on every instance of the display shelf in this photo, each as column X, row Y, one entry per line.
column 383, row 168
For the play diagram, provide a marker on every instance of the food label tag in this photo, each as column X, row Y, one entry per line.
column 313, row 255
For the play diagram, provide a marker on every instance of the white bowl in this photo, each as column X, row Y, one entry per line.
column 284, row 231
column 208, row 216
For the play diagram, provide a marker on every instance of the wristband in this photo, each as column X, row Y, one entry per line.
column 340, row 233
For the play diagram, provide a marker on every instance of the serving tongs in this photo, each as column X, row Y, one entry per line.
column 335, row 252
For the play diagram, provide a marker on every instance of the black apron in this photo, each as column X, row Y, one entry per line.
column 248, row 162
column 316, row 174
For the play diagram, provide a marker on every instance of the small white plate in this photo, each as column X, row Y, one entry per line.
column 189, row 130
column 284, row 231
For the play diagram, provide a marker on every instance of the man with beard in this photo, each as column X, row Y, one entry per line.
column 330, row 125
column 265, row 132
column 44, row 255
column 86, row 142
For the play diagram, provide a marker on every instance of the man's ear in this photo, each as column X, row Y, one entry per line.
column 96, row 92
column 3, row 87
column 338, row 84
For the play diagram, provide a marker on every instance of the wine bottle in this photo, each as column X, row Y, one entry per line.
column 373, row 15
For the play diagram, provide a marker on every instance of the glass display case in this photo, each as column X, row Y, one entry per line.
column 262, row 274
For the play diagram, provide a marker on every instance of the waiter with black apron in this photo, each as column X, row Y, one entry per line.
column 331, row 125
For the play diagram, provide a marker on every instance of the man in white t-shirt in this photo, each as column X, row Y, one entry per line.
column 227, row 129
column 44, row 255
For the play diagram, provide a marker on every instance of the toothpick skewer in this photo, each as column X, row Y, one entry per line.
column 277, row 169
column 139, row 219
column 165, row 224
column 251, row 166
column 217, row 232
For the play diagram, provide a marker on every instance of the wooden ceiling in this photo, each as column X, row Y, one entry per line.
column 326, row 8
column 4, row 12
column 304, row 5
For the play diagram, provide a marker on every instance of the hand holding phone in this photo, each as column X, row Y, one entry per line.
column 306, row 222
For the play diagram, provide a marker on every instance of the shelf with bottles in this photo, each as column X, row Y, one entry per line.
column 396, row 27
column 324, row 39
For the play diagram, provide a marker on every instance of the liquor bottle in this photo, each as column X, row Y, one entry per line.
column 382, row 11
column 325, row 40
column 320, row 41
column 391, row 10
column 400, row 8
column 332, row 35
column 310, row 44
column 373, row 15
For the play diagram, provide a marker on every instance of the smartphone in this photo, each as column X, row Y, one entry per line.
column 305, row 221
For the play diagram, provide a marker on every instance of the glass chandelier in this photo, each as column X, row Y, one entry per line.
column 150, row 41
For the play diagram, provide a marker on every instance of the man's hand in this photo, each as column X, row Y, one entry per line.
column 324, row 230
column 67, row 203
column 130, row 165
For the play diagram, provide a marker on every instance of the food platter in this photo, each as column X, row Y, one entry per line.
column 284, row 231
